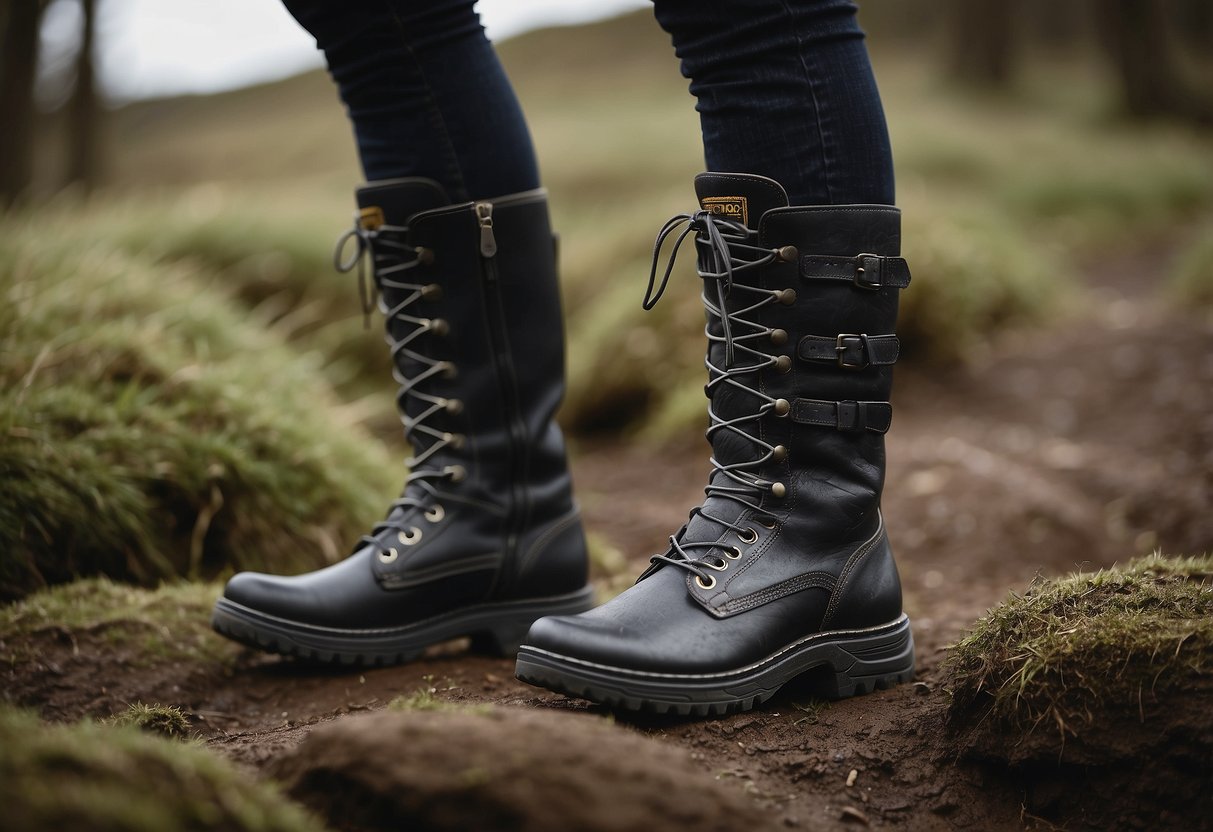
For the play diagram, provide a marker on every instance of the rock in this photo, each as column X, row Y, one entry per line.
column 504, row 768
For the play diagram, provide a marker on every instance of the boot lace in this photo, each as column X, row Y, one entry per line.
column 391, row 260
column 727, row 251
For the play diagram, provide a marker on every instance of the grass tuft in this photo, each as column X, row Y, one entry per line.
column 1076, row 653
column 150, row 429
column 164, row 720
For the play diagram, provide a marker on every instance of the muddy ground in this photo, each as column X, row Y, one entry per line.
column 1070, row 447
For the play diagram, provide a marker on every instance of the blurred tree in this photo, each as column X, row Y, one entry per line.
column 19, row 21
column 1145, row 55
column 83, row 112
column 982, row 42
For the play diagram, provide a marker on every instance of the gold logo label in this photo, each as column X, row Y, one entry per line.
column 734, row 208
column 371, row 218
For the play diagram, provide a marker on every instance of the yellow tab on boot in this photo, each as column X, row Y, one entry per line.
column 371, row 218
column 735, row 208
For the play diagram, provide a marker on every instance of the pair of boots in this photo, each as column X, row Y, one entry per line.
column 785, row 568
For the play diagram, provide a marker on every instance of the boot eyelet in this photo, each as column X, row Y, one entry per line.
column 699, row 582
column 732, row 553
column 431, row 291
column 456, row 473
column 770, row 526
column 786, row 296
column 453, row 406
column 783, row 364
column 455, row 440
column 724, row 565
column 779, row 453
column 782, row 407
column 788, row 254
column 747, row 536
column 389, row 556
column 425, row 256
column 779, row 490
column 410, row 538
column 779, row 337
column 449, row 370
column 438, row 326
column 435, row 513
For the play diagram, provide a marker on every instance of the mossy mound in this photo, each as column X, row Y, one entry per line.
column 1096, row 691
column 97, row 777
column 1192, row 283
column 503, row 768
column 150, row 427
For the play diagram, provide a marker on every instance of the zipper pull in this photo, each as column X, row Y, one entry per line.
column 484, row 216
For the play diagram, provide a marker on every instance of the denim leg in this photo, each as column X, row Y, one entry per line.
column 425, row 92
column 784, row 88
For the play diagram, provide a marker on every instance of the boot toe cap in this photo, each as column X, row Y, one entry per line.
column 273, row 595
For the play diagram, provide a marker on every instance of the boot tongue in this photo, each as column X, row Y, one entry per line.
column 395, row 201
column 740, row 197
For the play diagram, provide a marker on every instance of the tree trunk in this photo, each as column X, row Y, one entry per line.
column 83, row 112
column 18, row 64
column 982, row 42
column 1143, row 54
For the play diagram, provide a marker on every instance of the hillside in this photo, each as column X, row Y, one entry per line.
column 187, row 388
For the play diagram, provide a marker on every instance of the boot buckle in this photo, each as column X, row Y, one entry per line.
column 868, row 272
column 848, row 415
column 849, row 345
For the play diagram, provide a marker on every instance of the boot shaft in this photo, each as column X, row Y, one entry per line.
column 471, row 298
column 816, row 325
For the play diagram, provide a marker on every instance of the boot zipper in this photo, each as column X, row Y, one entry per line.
column 505, row 377
column 488, row 241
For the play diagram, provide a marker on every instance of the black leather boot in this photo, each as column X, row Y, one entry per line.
column 485, row 537
column 785, row 569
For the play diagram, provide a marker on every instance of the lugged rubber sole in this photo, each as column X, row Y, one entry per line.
column 835, row 665
column 493, row 627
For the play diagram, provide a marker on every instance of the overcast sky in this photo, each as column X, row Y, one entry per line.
column 164, row 47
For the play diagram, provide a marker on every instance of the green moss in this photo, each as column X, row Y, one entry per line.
column 169, row 623
column 1076, row 653
column 90, row 776
column 149, row 428
column 427, row 699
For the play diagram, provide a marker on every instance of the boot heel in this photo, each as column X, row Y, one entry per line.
column 502, row 640
column 504, row 632
column 862, row 664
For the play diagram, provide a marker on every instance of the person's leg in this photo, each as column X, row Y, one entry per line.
column 785, row 569
column 784, row 89
column 425, row 92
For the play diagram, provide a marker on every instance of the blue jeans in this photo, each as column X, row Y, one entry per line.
column 784, row 88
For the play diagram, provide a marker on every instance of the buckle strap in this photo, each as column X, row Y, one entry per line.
column 848, row 416
column 849, row 350
column 867, row 271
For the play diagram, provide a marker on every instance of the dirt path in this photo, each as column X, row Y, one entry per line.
column 1075, row 446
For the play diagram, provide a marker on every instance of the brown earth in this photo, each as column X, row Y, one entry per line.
column 1068, row 447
